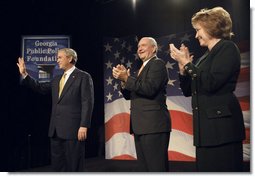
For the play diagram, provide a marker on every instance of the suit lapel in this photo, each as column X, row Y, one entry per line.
column 68, row 83
column 200, row 60
column 145, row 68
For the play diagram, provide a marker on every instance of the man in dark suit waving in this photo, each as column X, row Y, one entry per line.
column 72, row 105
column 150, row 119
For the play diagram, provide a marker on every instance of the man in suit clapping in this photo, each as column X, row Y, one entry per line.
column 150, row 119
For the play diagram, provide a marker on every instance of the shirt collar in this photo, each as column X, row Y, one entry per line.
column 69, row 71
column 144, row 63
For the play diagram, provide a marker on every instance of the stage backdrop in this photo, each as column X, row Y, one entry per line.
column 40, row 55
column 119, row 143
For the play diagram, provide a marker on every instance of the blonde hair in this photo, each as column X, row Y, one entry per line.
column 216, row 22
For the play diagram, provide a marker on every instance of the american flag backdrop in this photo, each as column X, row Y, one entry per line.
column 119, row 143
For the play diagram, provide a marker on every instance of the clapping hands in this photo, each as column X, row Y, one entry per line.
column 120, row 72
column 182, row 55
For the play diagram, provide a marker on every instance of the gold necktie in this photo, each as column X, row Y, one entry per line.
column 61, row 84
column 140, row 70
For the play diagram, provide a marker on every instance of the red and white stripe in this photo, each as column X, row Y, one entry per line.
column 119, row 143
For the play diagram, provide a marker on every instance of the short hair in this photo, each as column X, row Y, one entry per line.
column 70, row 53
column 216, row 22
column 153, row 42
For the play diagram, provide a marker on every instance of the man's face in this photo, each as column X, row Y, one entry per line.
column 145, row 49
column 63, row 60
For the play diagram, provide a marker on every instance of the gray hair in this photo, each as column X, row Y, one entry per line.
column 70, row 53
column 153, row 43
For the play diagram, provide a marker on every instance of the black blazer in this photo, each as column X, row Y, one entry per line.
column 147, row 92
column 74, row 107
column 217, row 115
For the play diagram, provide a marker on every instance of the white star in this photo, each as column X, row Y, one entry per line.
column 185, row 38
column 136, row 39
column 109, row 97
column 167, row 52
column 108, row 47
column 122, row 60
column 136, row 56
column 115, row 87
column 117, row 54
column 109, row 81
column 108, row 64
column 123, row 45
column 169, row 65
column 129, row 48
column 171, row 82
column 170, row 37
column 128, row 64
column 116, row 40
column 120, row 94
column 160, row 47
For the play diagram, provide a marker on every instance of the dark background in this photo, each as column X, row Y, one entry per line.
column 24, row 115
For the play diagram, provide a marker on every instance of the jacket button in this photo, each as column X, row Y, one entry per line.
column 218, row 112
column 194, row 75
column 190, row 71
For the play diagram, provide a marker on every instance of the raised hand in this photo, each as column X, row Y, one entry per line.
column 120, row 72
column 22, row 67
column 182, row 55
column 124, row 69
column 186, row 51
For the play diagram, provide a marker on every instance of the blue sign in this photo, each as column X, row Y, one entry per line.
column 40, row 55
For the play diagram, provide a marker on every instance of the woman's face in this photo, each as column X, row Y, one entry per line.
column 202, row 36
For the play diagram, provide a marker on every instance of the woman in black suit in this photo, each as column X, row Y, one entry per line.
column 217, row 116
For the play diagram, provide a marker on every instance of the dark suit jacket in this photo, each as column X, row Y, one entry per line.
column 74, row 107
column 217, row 115
column 147, row 92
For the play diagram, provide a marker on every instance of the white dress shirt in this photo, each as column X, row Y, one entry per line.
column 68, row 73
